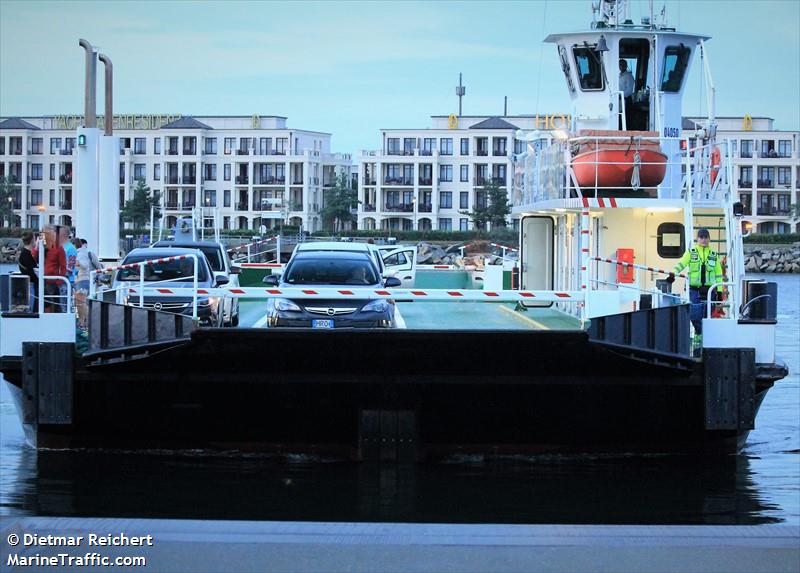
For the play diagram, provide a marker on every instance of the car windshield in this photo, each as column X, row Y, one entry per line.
column 176, row 270
column 331, row 271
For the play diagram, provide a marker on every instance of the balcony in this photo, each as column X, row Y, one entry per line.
column 171, row 179
column 499, row 152
column 189, row 152
column 746, row 154
column 425, row 208
column 426, row 181
column 370, row 182
column 17, row 205
column 297, row 181
column 66, row 179
column 499, row 181
column 15, row 179
column 482, row 152
column 771, row 211
column 242, row 179
column 189, row 179
column 426, row 151
column 242, row 152
column 369, row 208
column 748, row 183
column 765, row 184
column 171, row 206
column 15, row 151
column 65, row 205
column 122, row 179
column 399, row 208
column 265, row 206
column 480, row 181
column 394, row 152
column 190, row 204
column 241, row 206
column 398, row 181
column 278, row 152
column 270, row 180
column 171, row 151
column 65, row 151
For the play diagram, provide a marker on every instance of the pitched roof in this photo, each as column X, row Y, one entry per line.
column 493, row 123
column 186, row 122
column 16, row 123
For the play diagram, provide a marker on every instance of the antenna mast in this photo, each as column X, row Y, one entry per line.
column 460, row 91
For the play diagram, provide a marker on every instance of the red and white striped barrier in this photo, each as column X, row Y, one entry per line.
column 433, row 295
column 253, row 244
column 438, row 268
column 506, row 247
column 635, row 266
column 262, row 265
column 137, row 265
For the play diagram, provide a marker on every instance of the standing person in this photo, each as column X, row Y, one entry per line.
column 28, row 265
column 705, row 269
column 71, row 254
column 626, row 85
column 55, row 265
column 86, row 263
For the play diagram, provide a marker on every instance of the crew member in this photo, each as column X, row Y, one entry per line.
column 626, row 86
column 705, row 269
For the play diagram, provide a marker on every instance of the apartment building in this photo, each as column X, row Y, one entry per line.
column 766, row 170
column 425, row 179
column 251, row 170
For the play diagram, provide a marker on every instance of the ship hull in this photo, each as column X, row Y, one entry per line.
column 394, row 395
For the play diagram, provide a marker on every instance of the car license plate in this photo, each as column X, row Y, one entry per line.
column 327, row 323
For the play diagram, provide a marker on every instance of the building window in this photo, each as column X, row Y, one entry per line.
column 210, row 198
column 226, row 172
column 36, row 197
column 139, row 171
column 210, row 146
column 519, row 146
column 465, row 173
column 229, row 143
column 281, row 143
column 766, row 177
column 747, row 148
column 428, row 146
column 189, row 146
column 36, row 146
column 463, row 224
column 157, row 146
column 498, row 146
column 463, row 200
column 445, row 173
column 2, row 145
column 52, row 172
column 263, row 145
column 784, row 176
column 446, row 146
column 226, row 198
column 785, row 148
column 139, row 145
column 445, row 224
column 55, row 145
column 408, row 146
column 445, row 200
column 465, row 146
column 157, row 172
column 393, row 146
column 52, row 197
column 36, row 172
column 746, row 176
column 210, row 172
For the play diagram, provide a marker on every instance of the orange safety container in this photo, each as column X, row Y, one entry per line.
column 625, row 275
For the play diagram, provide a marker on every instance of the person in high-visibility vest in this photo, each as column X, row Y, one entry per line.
column 705, row 270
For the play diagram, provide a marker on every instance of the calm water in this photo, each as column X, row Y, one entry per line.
column 761, row 485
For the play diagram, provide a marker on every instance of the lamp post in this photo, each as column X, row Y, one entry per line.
column 414, row 208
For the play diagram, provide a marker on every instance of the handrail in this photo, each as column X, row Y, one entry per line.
column 709, row 302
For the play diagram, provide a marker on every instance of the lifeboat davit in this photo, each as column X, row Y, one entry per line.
column 611, row 163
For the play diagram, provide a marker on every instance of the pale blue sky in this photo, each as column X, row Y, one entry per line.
column 353, row 68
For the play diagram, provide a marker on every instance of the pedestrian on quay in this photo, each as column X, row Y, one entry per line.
column 28, row 265
column 71, row 254
column 86, row 262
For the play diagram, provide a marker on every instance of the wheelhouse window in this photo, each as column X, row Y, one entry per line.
column 589, row 69
column 676, row 61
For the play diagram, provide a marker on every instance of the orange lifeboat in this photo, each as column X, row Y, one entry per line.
column 612, row 163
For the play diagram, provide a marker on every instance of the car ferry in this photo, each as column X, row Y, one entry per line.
column 593, row 350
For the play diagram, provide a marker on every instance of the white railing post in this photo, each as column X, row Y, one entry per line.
column 194, row 288
column 141, row 284
column 40, row 302
column 585, row 264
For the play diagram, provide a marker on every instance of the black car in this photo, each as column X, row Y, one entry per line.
column 335, row 269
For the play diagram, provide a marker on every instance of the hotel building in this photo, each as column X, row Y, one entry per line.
column 255, row 170
column 766, row 170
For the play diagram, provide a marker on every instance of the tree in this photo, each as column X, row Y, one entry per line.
column 494, row 211
column 339, row 204
column 137, row 209
column 7, row 189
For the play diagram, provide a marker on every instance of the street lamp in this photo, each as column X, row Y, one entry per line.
column 414, row 209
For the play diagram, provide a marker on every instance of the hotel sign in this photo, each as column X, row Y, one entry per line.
column 125, row 121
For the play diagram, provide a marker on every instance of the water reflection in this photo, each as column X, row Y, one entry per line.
column 667, row 489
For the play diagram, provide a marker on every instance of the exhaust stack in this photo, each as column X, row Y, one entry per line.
column 90, row 101
column 109, row 95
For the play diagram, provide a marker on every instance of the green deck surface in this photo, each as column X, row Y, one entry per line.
column 451, row 316
column 442, row 279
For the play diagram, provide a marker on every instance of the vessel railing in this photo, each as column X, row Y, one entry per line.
column 64, row 301
column 124, row 289
column 254, row 251
column 639, row 272
column 734, row 311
